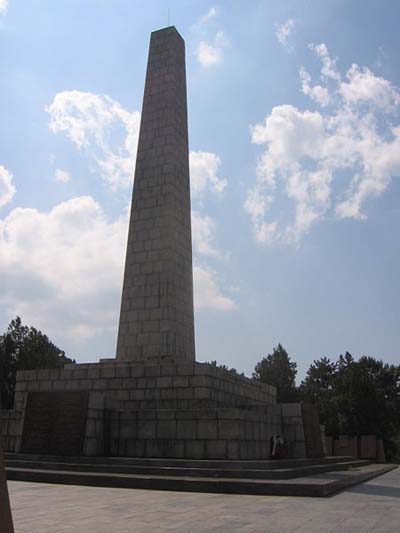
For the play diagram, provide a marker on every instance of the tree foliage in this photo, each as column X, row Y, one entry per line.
column 356, row 397
column 277, row 369
column 24, row 348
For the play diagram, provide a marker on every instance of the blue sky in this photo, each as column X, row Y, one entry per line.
column 294, row 135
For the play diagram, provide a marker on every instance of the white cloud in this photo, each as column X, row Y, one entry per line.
column 3, row 6
column 61, row 176
column 329, row 69
column 284, row 31
column 203, row 227
column 63, row 268
column 211, row 14
column 207, row 293
column 364, row 86
column 317, row 93
column 107, row 134
column 204, row 167
column 306, row 151
column 101, row 128
column 7, row 189
column 209, row 54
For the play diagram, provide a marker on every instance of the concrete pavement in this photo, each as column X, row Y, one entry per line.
column 43, row 508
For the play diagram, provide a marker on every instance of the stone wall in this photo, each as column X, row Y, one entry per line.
column 194, row 434
column 134, row 386
column 11, row 422
column 184, row 410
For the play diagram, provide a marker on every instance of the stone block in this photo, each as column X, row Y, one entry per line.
column 195, row 449
column 152, row 371
column 186, row 429
column 165, row 381
column 166, row 429
column 345, row 445
column 229, row 429
column 216, row 449
column 233, row 450
column 207, row 429
column 184, row 393
column 137, row 371
column 93, row 372
column 129, row 383
column 185, row 369
column 201, row 393
column 180, row 381
column 128, row 429
column 146, row 429
column 122, row 372
column 368, row 446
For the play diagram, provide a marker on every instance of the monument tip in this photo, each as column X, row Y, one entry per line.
column 167, row 29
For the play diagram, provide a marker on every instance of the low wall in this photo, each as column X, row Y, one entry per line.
column 361, row 446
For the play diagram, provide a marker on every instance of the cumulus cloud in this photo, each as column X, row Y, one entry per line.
column 364, row 86
column 3, row 6
column 211, row 53
column 108, row 135
column 63, row 268
column 329, row 69
column 204, row 169
column 7, row 189
column 207, row 292
column 317, row 93
column 305, row 151
column 203, row 229
column 283, row 32
column 61, row 175
column 102, row 129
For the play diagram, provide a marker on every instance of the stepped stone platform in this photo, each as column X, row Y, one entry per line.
column 142, row 409
column 305, row 477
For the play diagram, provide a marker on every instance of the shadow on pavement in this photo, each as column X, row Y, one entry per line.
column 376, row 490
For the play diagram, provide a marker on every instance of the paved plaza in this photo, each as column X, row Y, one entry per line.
column 43, row 508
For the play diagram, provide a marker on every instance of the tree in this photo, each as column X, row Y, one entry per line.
column 356, row 397
column 24, row 348
column 278, row 370
column 319, row 387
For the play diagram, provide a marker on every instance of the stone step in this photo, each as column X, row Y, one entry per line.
column 318, row 485
column 179, row 471
column 184, row 463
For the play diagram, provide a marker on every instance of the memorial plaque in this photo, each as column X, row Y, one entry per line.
column 55, row 422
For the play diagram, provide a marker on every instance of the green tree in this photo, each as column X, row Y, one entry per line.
column 319, row 387
column 277, row 369
column 24, row 348
column 356, row 397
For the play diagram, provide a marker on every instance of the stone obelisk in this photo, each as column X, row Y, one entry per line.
column 157, row 319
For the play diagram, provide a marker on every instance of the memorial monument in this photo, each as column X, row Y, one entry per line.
column 154, row 399
column 157, row 297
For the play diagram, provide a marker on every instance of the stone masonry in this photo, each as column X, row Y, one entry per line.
column 154, row 399
column 156, row 317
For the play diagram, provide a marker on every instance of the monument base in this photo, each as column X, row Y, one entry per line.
column 168, row 410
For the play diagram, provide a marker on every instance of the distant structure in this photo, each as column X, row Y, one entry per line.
column 154, row 399
column 157, row 319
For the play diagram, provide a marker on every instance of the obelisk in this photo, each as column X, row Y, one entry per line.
column 157, row 319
